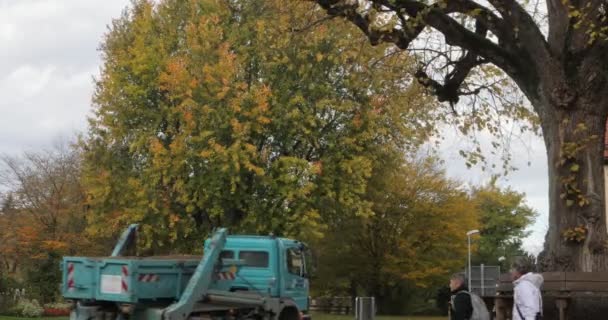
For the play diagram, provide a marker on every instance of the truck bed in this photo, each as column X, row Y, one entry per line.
column 127, row 279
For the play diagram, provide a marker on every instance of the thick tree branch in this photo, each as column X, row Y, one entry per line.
column 558, row 26
column 449, row 91
column 400, row 37
column 526, row 31
column 470, row 8
column 456, row 34
column 435, row 17
column 521, row 51
column 580, row 23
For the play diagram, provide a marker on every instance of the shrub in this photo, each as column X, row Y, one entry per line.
column 8, row 286
column 43, row 279
column 28, row 308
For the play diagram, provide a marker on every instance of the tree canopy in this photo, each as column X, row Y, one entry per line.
column 504, row 220
column 212, row 113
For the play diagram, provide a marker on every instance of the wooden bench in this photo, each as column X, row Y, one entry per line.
column 561, row 286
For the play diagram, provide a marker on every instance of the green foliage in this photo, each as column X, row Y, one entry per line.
column 43, row 280
column 8, row 285
column 214, row 113
column 411, row 242
column 442, row 300
column 504, row 218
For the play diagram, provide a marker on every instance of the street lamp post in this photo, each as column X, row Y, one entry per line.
column 469, row 234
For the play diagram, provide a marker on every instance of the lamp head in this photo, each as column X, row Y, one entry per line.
column 472, row 232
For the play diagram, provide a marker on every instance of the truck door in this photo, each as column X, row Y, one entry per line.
column 296, row 283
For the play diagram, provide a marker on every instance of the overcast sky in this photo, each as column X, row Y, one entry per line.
column 48, row 57
column 530, row 177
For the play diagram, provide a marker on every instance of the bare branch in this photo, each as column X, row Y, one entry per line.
column 313, row 24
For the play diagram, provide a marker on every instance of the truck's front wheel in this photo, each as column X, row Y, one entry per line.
column 290, row 313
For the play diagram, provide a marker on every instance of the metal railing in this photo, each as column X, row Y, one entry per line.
column 484, row 279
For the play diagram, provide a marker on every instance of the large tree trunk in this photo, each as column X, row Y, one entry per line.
column 574, row 137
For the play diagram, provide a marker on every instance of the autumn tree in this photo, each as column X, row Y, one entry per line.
column 44, row 189
column 217, row 113
column 43, row 215
column 504, row 219
column 414, row 239
column 559, row 65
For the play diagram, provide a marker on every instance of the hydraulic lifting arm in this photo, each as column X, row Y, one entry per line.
column 198, row 286
column 126, row 241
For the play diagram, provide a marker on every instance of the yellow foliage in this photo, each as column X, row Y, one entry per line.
column 54, row 245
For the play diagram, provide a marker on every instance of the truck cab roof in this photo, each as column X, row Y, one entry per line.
column 254, row 241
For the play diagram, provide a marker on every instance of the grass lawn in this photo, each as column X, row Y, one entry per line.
column 14, row 318
column 315, row 316
column 323, row 316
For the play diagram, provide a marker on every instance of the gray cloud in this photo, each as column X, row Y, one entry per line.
column 48, row 58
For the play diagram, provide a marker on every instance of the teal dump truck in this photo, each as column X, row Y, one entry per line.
column 238, row 277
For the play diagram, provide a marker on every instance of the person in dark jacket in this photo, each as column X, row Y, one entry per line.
column 460, row 302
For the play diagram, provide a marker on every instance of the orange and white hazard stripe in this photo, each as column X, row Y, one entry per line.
column 148, row 278
column 125, row 275
column 226, row 276
column 71, row 284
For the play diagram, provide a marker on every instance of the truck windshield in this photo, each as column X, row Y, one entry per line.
column 256, row 259
column 295, row 262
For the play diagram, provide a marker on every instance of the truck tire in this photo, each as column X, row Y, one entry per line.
column 289, row 313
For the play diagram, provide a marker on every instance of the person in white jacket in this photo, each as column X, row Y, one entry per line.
column 527, row 298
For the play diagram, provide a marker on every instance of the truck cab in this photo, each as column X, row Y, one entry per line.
column 266, row 265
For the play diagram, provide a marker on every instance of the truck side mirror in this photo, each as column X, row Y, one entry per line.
column 310, row 266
